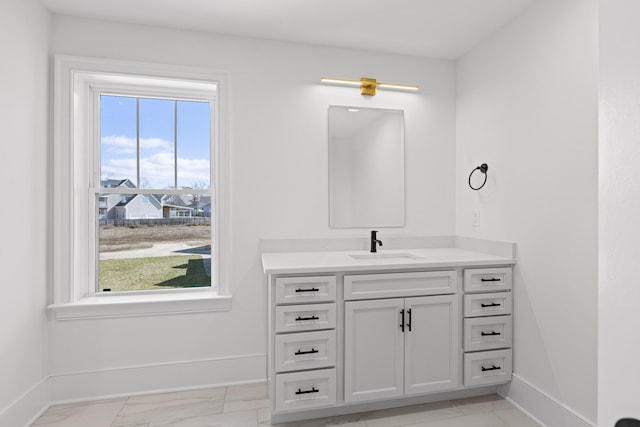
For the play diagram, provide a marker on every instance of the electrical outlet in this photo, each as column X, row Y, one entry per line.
column 475, row 218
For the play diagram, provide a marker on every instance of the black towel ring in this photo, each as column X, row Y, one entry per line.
column 628, row 422
column 482, row 168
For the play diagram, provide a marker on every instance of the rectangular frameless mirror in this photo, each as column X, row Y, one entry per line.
column 366, row 167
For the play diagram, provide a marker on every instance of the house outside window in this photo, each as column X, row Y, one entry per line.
column 156, row 151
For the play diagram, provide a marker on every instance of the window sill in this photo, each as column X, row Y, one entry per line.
column 147, row 304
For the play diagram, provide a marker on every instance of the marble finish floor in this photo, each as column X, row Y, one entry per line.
column 248, row 406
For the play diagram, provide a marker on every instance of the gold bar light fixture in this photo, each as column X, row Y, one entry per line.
column 368, row 85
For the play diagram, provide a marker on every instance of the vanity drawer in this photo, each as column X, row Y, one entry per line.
column 487, row 279
column 487, row 333
column 389, row 285
column 305, row 289
column 304, row 390
column 487, row 367
column 305, row 350
column 307, row 317
column 490, row 304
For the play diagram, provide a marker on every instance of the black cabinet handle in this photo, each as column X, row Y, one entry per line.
column 402, row 322
column 307, row 290
column 299, row 319
column 493, row 304
column 313, row 390
column 490, row 280
column 490, row 334
column 492, row 368
column 409, row 324
column 312, row 351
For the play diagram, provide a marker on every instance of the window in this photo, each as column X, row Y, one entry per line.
column 153, row 239
column 140, row 187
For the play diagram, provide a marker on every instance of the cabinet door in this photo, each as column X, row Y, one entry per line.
column 374, row 346
column 431, row 346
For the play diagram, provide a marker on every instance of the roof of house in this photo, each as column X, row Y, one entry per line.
column 115, row 183
column 130, row 198
column 174, row 199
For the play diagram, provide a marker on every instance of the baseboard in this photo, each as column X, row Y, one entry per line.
column 545, row 409
column 75, row 387
column 157, row 378
column 28, row 407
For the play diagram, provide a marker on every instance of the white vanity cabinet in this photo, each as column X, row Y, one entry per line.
column 303, row 342
column 346, row 338
column 401, row 346
column 488, row 335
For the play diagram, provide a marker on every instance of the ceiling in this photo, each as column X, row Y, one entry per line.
column 426, row 28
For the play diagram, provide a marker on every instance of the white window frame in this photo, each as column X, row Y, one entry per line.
column 77, row 81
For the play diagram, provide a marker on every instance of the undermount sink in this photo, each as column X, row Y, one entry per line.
column 383, row 255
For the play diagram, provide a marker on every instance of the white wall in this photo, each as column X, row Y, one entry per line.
column 619, row 291
column 24, row 43
column 279, row 182
column 527, row 106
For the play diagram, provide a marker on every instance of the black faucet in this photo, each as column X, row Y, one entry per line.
column 374, row 241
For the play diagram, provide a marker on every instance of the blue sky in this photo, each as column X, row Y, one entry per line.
column 157, row 161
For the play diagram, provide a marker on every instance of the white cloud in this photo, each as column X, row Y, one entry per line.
column 193, row 171
column 157, row 170
column 126, row 145
column 156, row 165
column 119, row 169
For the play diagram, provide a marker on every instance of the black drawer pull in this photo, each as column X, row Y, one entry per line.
column 490, row 334
column 307, row 290
column 312, row 351
column 492, row 368
column 493, row 304
column 490, row 280
column 313, row 390
column 300, row 319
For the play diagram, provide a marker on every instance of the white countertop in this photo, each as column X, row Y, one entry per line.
column 337, row 261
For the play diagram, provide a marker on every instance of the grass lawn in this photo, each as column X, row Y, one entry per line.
column 134, row 274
